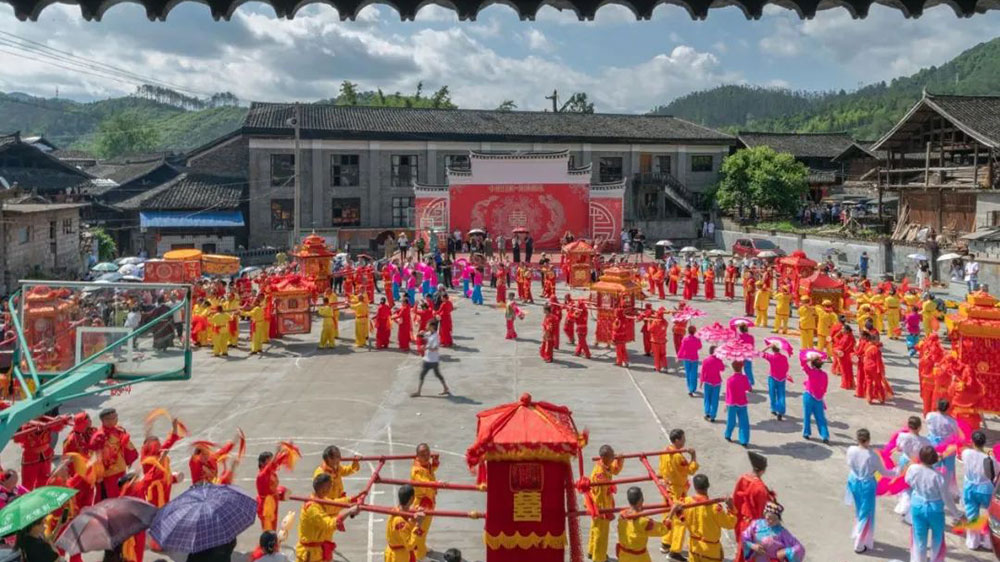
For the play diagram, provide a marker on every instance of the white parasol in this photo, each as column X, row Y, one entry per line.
column 950, row 256
column 688, row 250
column 768, row 254
column 918, row 257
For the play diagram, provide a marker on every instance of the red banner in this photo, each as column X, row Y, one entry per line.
column 546, row 210
column 171, row 271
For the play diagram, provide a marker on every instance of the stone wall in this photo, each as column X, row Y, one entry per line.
column 229, row 158
column 846, row 253
column 53, row 250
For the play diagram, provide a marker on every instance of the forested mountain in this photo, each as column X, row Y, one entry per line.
column 867, row 112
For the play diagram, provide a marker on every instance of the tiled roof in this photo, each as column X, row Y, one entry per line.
column 360, row 122
column 978, row 115
column 191, row 191
column 25, row 208
column 800, row 145
column 43, row 180
column 124, row 170
column 68, row 154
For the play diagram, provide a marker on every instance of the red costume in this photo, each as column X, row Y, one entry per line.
column 580, row 318
column 556, row 309
column 204, row 463
column 36, row 455
column 445, row 329
column 405, row 322
column 78, row 440
column 387, row 286
column 730, row 282
column 675, row 275
column 843, row 359
column 550, row 327
column 749, row 289
column 157, row 477
column 116, row 454
column 680, row 330
column 690, row 283
column 710, row 284
column 750, row 495
column 658, row 274
column 570, row 321
column 646, row 317
column 511, row 312
column 619, row 335
column 383, row 325
column 878, row 387
column 658, row 338
column 269, row 493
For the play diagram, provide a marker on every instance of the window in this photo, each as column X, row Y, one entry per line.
column 457, row 161
column 52, row 230
column 347, row 211
column 24, row 235
column 662, row 165
column 404, row 170
column 344, row 170
column 282, row 211
column 402, row 211
column 282, row 169
column 701, row 163
column 610, row 168
column 67, row 226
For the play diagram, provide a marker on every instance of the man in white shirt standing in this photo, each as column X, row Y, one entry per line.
column 972, row 273
column 432, row 358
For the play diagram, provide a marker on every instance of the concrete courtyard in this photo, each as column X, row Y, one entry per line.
column 359, row 400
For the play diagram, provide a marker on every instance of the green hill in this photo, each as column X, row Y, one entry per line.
column 71, row 124
column 867, row 112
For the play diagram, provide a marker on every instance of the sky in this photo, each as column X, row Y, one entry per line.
column 623, row 65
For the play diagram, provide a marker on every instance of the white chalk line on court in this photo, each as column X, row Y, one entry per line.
column 649, row 405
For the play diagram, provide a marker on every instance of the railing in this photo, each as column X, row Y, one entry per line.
column 666, row 179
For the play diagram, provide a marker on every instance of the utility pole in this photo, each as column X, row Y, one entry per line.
column 297, row 219
column 555, row 100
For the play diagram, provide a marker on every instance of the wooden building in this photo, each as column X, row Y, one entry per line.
column 818, row 151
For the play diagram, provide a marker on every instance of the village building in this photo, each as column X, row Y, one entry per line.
column 818, row 151
column 192, row 210
column 360, row 164
column 40, row 240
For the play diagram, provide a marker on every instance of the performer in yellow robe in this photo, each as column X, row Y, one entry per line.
column 761, row 302
column 220, row 332
column 706, row 523
column 782, row 310
column 602, row 497
column 634, row 532
column 928, row 311
column 205, row 311
column 401, row 532
column 424, row 499
column 317, row 525
column 231, row 306
column 360, row 307
column 331, row 329
column 807, row 324
column 256, row 316
column 331, row 465
column 864, row 313
column 825, row 318
column 676, row 469
column 893, row 314
column 878, row 309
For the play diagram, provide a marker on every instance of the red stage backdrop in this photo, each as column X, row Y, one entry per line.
column 546, row 210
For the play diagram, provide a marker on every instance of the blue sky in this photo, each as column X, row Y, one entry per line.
column 624, row 65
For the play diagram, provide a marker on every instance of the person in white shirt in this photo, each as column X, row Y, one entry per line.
column 908, row 444
column 980, row 470
column 972, row 273
column 863, row 464
column 132, row 322
column 941, row 427
column 432, row 346
column 930, row 500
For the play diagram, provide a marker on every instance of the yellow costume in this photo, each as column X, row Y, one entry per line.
column 220, row 333
column 676, row 469
column 401, row 535
column 706, row 523
column 633, row 536
column 425, row 499
column 892, row 315
column 878, row 308
column 911, row 300
column 256, row 316
column 328, row 336
column 336, row 482
column 761, row 302
column 824, row 322
column 807, row 325
column 205, row 336
column 782, row 310
column 928, row 311
column 316, row 528
column 603, row 497
column 864, row 313
column 231, row 307
column 360, row 307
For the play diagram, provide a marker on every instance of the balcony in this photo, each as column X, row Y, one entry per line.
column 659, row 195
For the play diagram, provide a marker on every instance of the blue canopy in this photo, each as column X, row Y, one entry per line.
column 190, row 219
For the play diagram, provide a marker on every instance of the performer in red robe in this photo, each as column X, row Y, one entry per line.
column 659, row 275
column 387, row 285
column 444, row 316
column 512, row 312
column 861, row 385
column 556, row 310
column 580, row 319
column 749, row 290
column 404, row 319
column 205, row 461
column 35, row 440
column 675, row 275
column 269, row 492
column 383, row 323
column 695, row 273
column 690, row 281
column 843, row 357
column 710, row 284
column 658, row 340
column 158, row 478
column 134, row 547
column 74, row 473
column 548, row 284
column 730, row 281
column 422, row 315
column 619, row 334
column 646, row 317
column 116, row 453
column 750, row 495
column 78, row 440
column 878, row 387
column 570, row 321
column 679, row 331
column 550, row 327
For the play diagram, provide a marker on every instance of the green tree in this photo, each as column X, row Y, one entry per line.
column 760, row 178
column 125, row 132
column 106, row 248
column 348, row 93
column 577, row 103
column 507, row 105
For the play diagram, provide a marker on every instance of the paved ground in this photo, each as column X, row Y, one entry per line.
column 359, row 400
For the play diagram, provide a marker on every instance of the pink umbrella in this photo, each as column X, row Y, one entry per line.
column 687, row 313
column 735, row 351
column 810, row 354
column 736, row 322
column 781, row 343
column 715, row 334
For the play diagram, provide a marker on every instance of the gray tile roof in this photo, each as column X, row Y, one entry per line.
column 191, row 191
column 385, row 123
column 979, row 116
column 800, row 145
column 122, row 171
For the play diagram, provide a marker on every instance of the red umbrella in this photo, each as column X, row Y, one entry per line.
column 106, row 525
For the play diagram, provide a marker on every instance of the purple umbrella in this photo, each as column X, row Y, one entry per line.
column 106, row 525
column 205, row 516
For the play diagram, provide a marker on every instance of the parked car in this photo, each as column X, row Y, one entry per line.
column 753, row 246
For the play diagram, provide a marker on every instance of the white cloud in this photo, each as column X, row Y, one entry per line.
column 675, row 37
column 537, row 41
column 720, row 47
column 786, row 39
